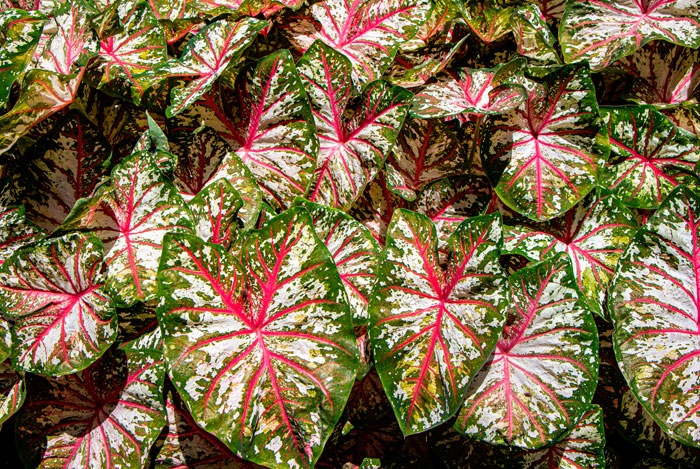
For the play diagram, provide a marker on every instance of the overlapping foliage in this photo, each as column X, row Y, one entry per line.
column 245, row 233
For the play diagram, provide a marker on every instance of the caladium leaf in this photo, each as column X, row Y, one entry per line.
column 127, row 59
column 355, row 252
column 547, row 148
column 107, row 415
column 488, row 20
column 594, row 234
column 477, row 91
column 582, row 447
column 367, row 32
column 603, row 31
column 268, row 123
column 208, row 54
column 19, row 33
column 13, row 391
column 67, row 164
column 15, row 231
column 653, row 303
column 540, row 379
column 376, row 206
column 686, row 118
column 206, row 158
column 534, row 38
column 187, row 445
column 432, row 330
column 425, row 151
column 414, row 68
column 353, row 142
column 215, row 212
column 131, row 216
column 70, row 42
column 263, row 355
column 652, row 156
column 551, row 9
column 665, row 74
column 54, row 290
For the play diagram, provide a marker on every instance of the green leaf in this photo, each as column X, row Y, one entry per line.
column 603, row 31
column 215, row 212
column 262, row 351
column 653, row 304
column 431, row 330
column 546, row 149
column 651, row 156
column 19, row 35
column 15, row 231
column 13, row 391
column 540, row 379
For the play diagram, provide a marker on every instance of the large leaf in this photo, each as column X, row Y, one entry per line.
column 603, row 31
column 19, row 35
column 367, row 32
column 488, row 19
column 547, row 147
column 268, row 123
column 204, row 159
column 208, row 54
column 665, row 74
column 262, row 351
column 15, row 231
column 651, row 156
column 131, row 216
column 106, row 416
column 534, row 38
column 477, row 91
column 654, row 305
column 54, row 291
column 595, row 233
column 432, row 330
column 67, row 164
column 540, row 379
column 355, row 136
column 426, row 150
column 355, row 252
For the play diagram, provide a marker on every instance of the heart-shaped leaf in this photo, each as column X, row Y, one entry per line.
column 208, row 54
column 107, row 415
column 488, row 19
column 262, row 351
column 131, row 216
column 54, row 290
column 355, row 136
column 533, row 36
column 654, row 305
column 539, row 381
column 603, row 31
column 13, row 391
column 432, row 330
column 15, row 231
column 367, row 32
column 20, row 32
column 546, row 149
column 651, row 156
column 595, row 233
column 355, row 252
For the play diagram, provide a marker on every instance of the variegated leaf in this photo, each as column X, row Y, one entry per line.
column 376, row 206
column 534, row 38
column 54, row 291
column 546, row 148
column 488, row 19
column 367, row 32
column 665, row 74
column 15, row 231
column 603, row 31
column 414, row 68
column 582, row 447
column 268, row 123
column 215, row 212
column 355, row 252
column 262, row 351
column 66, row 165
column 654, row 306
column 686, row 118
column 651, row 156
column 19, row 36
column 131, row 216
column 108, row 415
column 13, row 391
column 595, row 233
column 355, row 136
column 431, row 330
column 483, row 91
column 207, row 55
column 551, row 9
column 426, row 150
column 206, row 158
column 539, row 381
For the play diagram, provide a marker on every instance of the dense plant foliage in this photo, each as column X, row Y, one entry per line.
column 396, row 233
